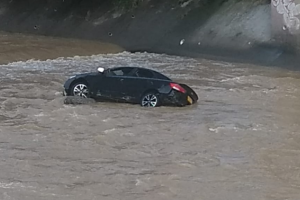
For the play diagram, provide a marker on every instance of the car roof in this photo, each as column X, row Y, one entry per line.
column 130, row 67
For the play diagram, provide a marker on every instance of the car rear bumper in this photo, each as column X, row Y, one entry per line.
column 178, row 99
column 190, row 92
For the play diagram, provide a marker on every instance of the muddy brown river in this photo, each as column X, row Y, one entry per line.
column 239, row 142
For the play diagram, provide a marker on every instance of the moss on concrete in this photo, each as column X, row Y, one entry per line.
column 126, row 4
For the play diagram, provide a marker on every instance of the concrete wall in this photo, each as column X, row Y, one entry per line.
column 232, row 29
column 286, row 22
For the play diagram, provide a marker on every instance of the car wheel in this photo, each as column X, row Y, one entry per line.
column 150, row 100
column 80, row 89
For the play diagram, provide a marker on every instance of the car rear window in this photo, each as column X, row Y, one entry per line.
column 144, row 73
column 160, row 76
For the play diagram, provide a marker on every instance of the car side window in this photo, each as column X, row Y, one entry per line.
column 120, row 72
column 144, row 73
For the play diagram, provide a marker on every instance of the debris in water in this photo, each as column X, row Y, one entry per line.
column 284, row 27
column 182, row 41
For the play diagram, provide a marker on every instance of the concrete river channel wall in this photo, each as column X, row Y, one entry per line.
column 244, row 30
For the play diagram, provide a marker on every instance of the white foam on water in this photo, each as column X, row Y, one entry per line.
column 12, row 185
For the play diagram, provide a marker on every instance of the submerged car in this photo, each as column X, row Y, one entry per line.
column 136, row 85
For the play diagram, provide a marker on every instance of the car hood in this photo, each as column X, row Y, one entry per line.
column 85, row 74
column 76, row 76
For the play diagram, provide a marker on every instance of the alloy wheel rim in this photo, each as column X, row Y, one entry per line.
column 81, row 90
column 149, row 100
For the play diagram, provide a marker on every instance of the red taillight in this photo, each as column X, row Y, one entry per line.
column 177, row 87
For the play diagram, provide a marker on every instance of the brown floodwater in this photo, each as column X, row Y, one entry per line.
column 239, row 142
column 18, row 47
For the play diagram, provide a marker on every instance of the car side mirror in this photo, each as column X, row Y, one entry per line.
column 100, row 70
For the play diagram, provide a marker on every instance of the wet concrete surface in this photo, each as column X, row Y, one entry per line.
column 240, row 141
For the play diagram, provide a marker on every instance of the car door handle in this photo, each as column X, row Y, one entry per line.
column 122, row 79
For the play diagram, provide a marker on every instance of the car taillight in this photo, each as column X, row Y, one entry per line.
column 177, row 87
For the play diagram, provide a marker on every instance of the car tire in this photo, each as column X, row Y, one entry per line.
column 150, row 99
column 80, row 89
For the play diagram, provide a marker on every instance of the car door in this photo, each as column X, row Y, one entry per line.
column 137, row 83
column 110, row 87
